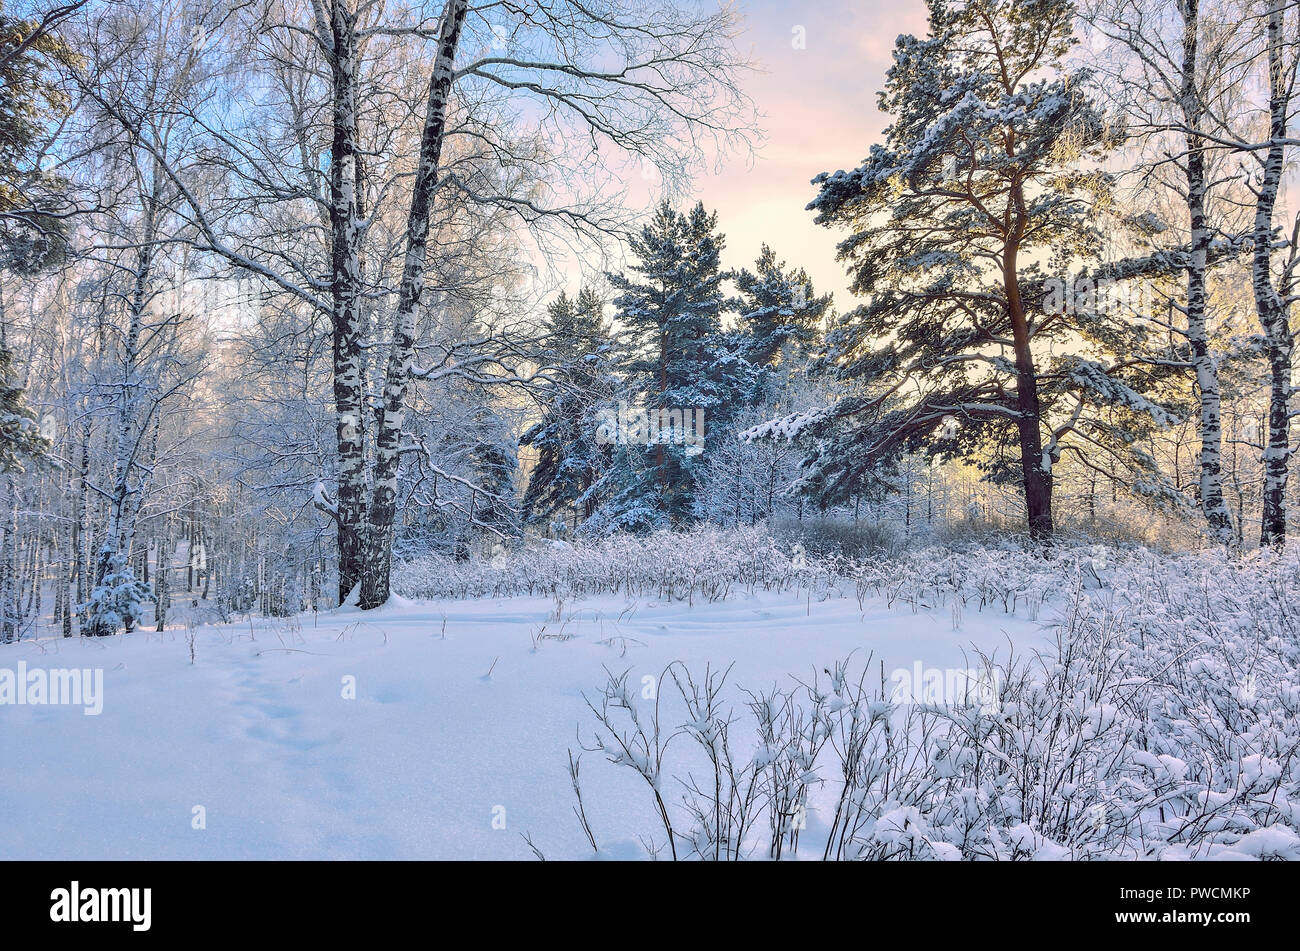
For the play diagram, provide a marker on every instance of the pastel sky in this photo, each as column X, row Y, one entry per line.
column 819, row 114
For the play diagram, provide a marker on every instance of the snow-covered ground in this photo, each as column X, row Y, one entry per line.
column 454, row 745
column 1151, row 710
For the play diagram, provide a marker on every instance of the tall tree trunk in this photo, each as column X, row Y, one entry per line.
column 8, row 532
column 123, row 500
column 162, row 571
column 383, row 508
column 37, row 569
column 1271, row 310
column 80, row 531
column 345, row 237
column 1035, row 464
column 1213, row 505
column 9, row 550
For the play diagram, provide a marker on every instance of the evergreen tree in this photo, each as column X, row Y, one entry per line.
column 778, row 327
column 19, row 436
column 33, row 202
column 116, row 601
column 962, row 224
column 680, row 368
column 778, row 309
column 569, row 460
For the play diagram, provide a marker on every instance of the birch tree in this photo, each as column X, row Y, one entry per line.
column 1274, row 296
column 1174, row 69
column 143, row 64
column 527, row 82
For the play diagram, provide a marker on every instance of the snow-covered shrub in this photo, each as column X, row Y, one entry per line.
column 1163, row 722
column 705, row 562
column 116, row 601
column 709, row 562
column 833, row 536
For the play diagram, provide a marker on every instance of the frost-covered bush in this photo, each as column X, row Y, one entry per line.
column 825, row 537
column 705, row 562
column 708, row 562
column 1164, row 722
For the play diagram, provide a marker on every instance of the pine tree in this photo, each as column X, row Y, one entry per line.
column 33, row 201
column 778, row 309
column 20, row 437
column 962, row 225
column 678, row 366
column 569, row 460
column 779, row 325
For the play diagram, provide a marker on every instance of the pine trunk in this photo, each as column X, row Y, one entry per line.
column 1035, row 464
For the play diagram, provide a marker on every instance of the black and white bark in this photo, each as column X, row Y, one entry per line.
column 1163, row 91
column 346, row 293
column 1191, row 102
column 383, row 508
column 1273, row 311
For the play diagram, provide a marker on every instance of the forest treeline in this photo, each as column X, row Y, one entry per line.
column 293, row 289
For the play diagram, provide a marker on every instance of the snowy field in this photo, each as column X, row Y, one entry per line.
column 257, row 730
column 930, row 704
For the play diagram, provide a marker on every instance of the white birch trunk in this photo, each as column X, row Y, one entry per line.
column 1269, row 307
column 1213, row 506
column 345, row 227
column 383, row 507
